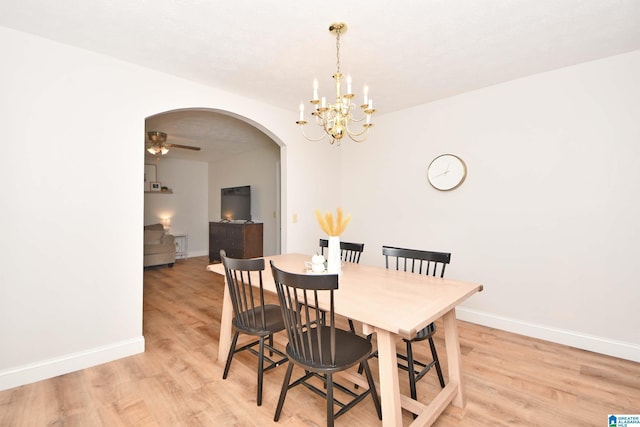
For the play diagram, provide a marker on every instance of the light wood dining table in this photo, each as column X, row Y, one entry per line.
column 393, row 305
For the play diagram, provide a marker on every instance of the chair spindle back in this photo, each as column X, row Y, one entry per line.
column 300, row 297
column 244, row 279
column 349, row 251
column 416, row 261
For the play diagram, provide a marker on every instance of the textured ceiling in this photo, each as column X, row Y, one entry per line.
column 217, row 135
column 408, row 52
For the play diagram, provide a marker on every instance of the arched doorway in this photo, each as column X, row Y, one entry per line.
column 233, row 152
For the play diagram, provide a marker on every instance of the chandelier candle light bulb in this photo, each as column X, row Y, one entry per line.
column 337, row 119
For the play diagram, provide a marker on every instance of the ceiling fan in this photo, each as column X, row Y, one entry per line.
column 158, row 144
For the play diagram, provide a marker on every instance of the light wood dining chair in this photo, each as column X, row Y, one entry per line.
column 320, row 350
column 251, row 315
column 419, row 262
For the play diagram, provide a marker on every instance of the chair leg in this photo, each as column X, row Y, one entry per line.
column 360, row 367
column 270, row 345
column 412, row 370
column 260, row 370
column 351, row 326
column 329, row 378
column 232, row 350
column 283, row 392
column 434, row 354
column 372, row 387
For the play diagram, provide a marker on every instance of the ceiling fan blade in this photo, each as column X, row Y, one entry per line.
column 186, row 147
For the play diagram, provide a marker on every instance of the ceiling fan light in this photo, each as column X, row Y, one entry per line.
column 157, row 144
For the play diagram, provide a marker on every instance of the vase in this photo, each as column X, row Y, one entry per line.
column 334, row 262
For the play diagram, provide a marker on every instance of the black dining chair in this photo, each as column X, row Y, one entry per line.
column 349, row 251
column 419, row 262
column 321, row 350
column 251, row 315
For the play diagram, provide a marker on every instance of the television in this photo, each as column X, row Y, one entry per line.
column 235, row 203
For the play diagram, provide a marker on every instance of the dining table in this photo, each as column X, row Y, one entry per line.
column 392, row 304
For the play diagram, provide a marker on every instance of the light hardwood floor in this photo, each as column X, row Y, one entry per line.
column 511, row 380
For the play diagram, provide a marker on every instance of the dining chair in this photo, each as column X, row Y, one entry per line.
column 419, row 262
column 349, row 252
column 251, row 315
column 321, row 350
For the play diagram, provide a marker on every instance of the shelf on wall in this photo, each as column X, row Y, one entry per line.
column 159, row 192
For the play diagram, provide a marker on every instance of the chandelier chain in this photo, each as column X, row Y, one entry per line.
column 338, row 50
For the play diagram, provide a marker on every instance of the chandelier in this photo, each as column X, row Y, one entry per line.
column 337, row 119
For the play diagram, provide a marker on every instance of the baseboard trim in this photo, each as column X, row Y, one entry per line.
column 623, row 350
column 193, row 254
column 14, row 377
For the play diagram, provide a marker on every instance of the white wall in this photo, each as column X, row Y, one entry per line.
column 548, row 216
column 186, row 206
column 71, row 167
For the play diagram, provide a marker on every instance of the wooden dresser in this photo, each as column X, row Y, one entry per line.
column 237, row 239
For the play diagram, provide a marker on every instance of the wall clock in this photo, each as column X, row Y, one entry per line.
column 446, row 172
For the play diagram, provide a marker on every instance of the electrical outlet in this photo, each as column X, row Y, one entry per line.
column 295, row 218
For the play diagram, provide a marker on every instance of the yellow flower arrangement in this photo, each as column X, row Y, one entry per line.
column 327, row 224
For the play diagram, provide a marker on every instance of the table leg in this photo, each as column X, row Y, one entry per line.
column 225, row 325
column 389, row 385
column 452, row 342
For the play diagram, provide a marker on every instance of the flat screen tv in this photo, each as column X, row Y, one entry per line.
column 235, row 203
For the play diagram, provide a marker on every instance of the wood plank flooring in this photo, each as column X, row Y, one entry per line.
column 510, row 380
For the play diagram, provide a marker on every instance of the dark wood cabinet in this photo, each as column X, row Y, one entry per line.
column 238, row 240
